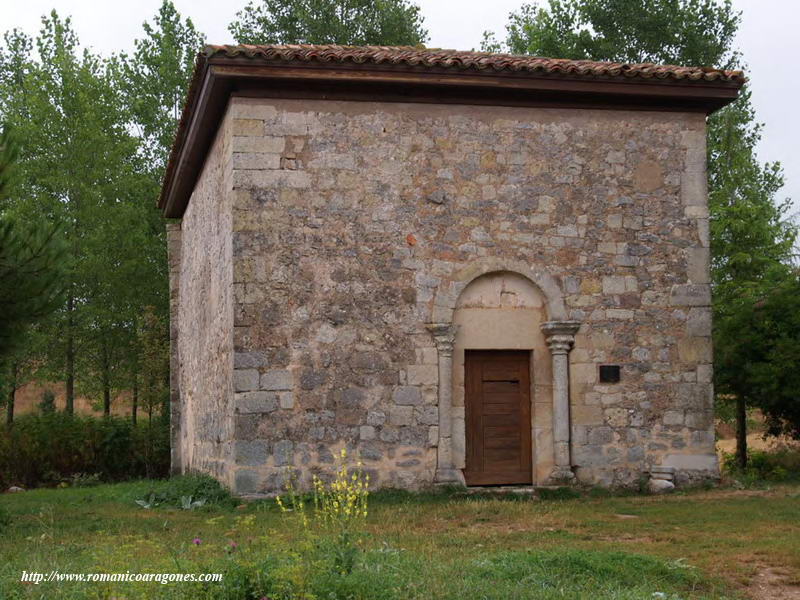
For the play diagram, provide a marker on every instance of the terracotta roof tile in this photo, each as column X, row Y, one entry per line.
column 421, row 58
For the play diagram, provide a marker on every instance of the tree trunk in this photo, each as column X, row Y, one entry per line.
column 69, row 406
column 106, row 384
column 741, row 432
column 12, row 395
column 135, row 401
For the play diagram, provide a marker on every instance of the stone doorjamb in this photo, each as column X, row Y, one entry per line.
column 560, row 336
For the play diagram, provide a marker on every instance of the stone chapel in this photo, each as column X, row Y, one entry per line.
column 464, row 268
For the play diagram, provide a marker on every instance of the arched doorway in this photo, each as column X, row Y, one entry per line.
column 492, row 286
column 501, row 367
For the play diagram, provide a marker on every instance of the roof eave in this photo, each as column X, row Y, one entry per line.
column 217, row 77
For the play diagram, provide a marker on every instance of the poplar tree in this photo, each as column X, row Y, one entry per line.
column 77, row 167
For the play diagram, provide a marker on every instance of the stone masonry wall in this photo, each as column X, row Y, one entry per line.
column 347, row 217
column 205, row 319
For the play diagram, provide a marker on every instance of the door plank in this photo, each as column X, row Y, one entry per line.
column 498, row 417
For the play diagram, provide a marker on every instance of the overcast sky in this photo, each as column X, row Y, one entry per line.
column 769, row 39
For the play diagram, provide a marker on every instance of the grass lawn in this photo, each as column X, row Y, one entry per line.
column 711, row 544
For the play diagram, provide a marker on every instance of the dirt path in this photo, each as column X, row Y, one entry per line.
column 772, row 583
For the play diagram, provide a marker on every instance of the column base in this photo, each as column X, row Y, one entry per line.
column 562, row 476
column 449, row 477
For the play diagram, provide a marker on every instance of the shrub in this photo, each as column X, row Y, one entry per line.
column 52, row 448
column 188, row 491
column 48, row 403
column 779, row 464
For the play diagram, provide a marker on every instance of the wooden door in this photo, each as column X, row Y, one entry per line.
column 498, row 417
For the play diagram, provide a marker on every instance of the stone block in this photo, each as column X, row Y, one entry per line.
column 256, row 160
column 407, row 395
column 246, row 481
column 694, row 189
column 614, row 285
column 428, row 356
column 283, row 453
column 245, row 380
column 276, row 380
column 250, row 453
column 600, row 435
column 698, row 322
column 705, row 373
column 249, row 360
column 255, row 402
column 366, row 432
column 286, row 400
column 660, row 486
column 699, row 420
column 370, row 452
column 698, row 265
column 244, row 109
column 389, row 435
column 433, row 436
column 590, row 455
column 635, row 454
column 427, row 415
column 616, row 417
column 416, row 437
column 401, row 415
column 422, row 374
column 376, row 418
column 583, row 373
column 673, row 417
column 247, row 127
column 257, row 178
column 699, row 462
column 269, row 144
column 693, row 350
column 587, row 415
column 690, row 295
column 619, row 313
column 311, row 379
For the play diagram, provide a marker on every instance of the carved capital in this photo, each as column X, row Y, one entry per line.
column 444, row 335
column 560, row 335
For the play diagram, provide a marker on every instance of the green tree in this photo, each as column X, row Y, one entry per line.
column 684, row 32
column 343, row 22
column 761, row 360
column 78, row 166
column 154, row 342
column 751, row 237
column 155, row 79
column 31, row 278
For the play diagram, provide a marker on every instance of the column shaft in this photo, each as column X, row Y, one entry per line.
column 560, row 338
column 444, row 335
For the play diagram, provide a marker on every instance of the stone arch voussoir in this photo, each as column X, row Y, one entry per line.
column 446, row 297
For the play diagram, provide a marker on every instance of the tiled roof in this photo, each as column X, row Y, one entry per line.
column 420, row 58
